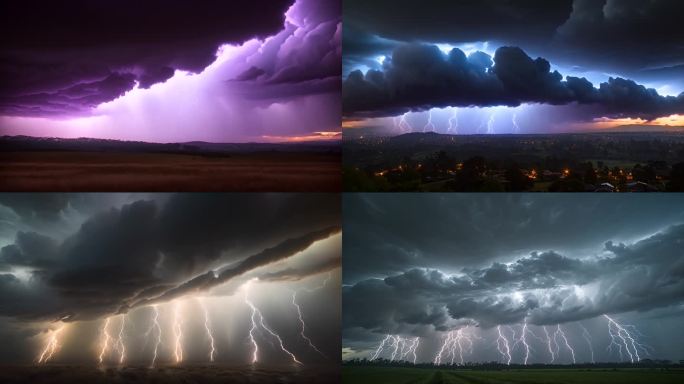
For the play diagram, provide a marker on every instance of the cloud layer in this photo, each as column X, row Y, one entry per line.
column 420, row 76
column 488, row 261
column 150, row 249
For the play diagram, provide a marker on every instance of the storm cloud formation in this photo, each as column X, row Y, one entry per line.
column 172, row 71
column 420, row 77
column 151, row 249
column 590, row 59
column 454, row 261
column 77, row 54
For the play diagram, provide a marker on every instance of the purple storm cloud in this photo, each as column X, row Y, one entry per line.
column 211, row 71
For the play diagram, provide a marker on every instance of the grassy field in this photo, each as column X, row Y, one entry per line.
column 391, row 375
column 111, row 171
column 207, row 374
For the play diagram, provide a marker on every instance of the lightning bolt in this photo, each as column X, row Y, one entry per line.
column 51, row 346
column 301, row 322
column 503, row 346
column 380, row 348
column 587, row 337
column 560, row 332
column 548, row 343
column 514, row 120
column 105, row 338
column 620, row 332
column 255, row 353
column 403, row 123
column 257, row 313
column 207, row 327
column 429, row 126
column 119, row 341
column 523, row 340
column 410, row 349
column 178, row 333
column 155, row 321
column 490, row 125
column 455, row 340
column 453, row 122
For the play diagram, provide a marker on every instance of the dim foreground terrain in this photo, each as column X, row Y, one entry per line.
column 171, row 374
column 577, row 162
column 31, row 164
column 395, row 375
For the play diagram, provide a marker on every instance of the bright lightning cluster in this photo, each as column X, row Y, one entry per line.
column 622, row 338
column 51, row 346
column 401, row 347
column 459, row 340
column 258, row 320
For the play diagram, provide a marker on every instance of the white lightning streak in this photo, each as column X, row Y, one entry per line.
column 502, row 346
column 523, row 340
column 453, row 122
column 378, row 351
column 105, row 338
column 514, row 120
column 429, row 126
column 455, row 341
column 119, row 341
column 619, row 331
column 560, row 332
column 177, row 333
column 490, row 125
column 257, row 313
column 51, row 347
column 587, row 337
column 155, row 321
column 301, row 323
column 207, row 327
column 255, row 352
column 548, row 342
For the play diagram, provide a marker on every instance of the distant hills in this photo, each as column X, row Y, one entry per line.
column 28, row 143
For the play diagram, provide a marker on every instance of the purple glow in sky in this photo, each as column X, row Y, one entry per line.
column 285, row 87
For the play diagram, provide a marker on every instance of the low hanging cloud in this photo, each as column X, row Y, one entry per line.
column 419, row 77
column 154, row 250
column 544, row 288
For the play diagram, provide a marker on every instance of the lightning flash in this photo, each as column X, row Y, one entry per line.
column 51, row 346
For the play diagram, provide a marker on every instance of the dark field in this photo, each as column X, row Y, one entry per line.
column 171, row 375
column 395, row 375
column 125, row 171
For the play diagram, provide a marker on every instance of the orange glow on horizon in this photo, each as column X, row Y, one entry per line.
column 317, row 136
column 667, row 121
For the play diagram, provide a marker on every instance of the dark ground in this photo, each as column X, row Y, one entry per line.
column 73, row 374
column 125, row 171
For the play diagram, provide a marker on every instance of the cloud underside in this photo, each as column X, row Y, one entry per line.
column 147, row 252
column 544, row 288
column 419, row 77
column 68, row 59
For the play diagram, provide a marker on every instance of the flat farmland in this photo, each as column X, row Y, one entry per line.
column 125, row 171
column 392, row 375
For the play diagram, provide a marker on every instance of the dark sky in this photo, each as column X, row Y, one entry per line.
column 419, row 265
column 84, row 258
column 607, row 58
column 164, row 59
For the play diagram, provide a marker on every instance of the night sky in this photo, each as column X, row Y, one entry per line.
column 72, row 265
column 512, row 66
column 424, row 265
column 161, row 71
